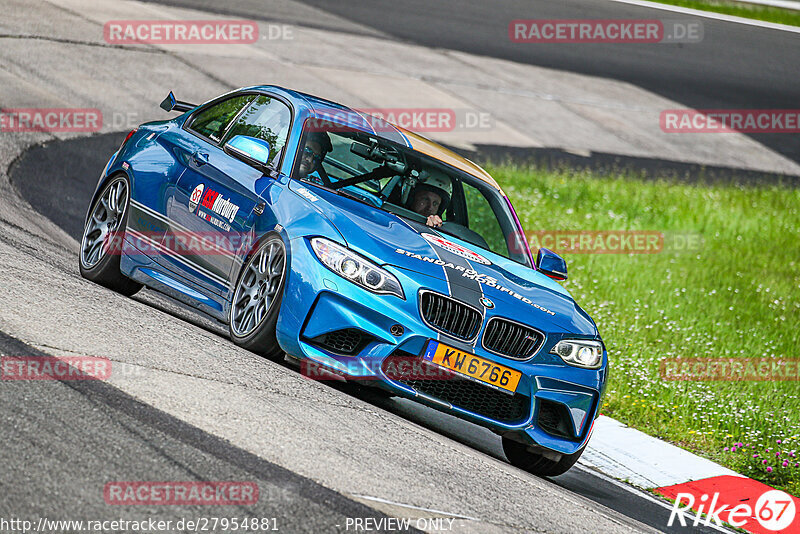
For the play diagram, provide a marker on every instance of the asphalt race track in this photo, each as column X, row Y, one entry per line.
column 36, row 173
column 99, row 433
column 717, row 73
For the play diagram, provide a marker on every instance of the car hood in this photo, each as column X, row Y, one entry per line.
column 389, row 239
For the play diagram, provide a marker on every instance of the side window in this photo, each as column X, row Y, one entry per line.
column 212, row 121
column 267, row 119
column 483, row 220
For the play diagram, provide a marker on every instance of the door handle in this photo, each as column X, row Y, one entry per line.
column 200, row 158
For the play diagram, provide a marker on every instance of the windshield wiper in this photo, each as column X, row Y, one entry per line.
column 348, row 194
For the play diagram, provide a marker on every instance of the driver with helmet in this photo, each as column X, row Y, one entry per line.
column 431, row 197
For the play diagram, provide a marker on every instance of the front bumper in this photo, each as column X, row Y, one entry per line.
column 554, row 404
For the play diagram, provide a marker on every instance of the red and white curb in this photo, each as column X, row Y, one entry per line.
column 694, row 483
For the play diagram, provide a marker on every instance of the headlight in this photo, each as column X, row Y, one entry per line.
column 356, row 268
column 580, row 352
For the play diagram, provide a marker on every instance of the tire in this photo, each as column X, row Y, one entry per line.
column 257, row 299
column 103, row 234
column 520, row 456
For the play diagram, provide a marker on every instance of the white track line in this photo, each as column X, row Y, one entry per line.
column 784, row 4
column 645, row 461
column 710, row 15
column 437, row 512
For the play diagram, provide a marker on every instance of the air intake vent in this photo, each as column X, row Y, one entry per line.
column 348, row 341
column 511, row 339
column 553, row 419
column 450, row 316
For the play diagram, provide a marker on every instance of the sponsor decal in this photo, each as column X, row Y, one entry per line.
column 215, row 221
column 216, row 204
column 489, row 281
column 455, row 248
column 126, row 165
column 194, row 199
column 220, row 205
column 308, row 195
column 471, row 274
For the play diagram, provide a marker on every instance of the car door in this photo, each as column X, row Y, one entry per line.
column 212, row 207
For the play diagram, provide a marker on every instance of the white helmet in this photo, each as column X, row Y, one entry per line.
column 438, row 182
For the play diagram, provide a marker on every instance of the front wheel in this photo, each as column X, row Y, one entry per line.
column 257, row 299
column 520, row 456
column 101, row 244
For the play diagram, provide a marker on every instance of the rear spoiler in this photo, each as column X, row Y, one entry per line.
column 171, row 104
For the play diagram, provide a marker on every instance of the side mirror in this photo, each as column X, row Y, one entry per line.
column 253, row 151
column 551, row 264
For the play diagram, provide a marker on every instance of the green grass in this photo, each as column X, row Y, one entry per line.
column 738, row 296
column 741, row 9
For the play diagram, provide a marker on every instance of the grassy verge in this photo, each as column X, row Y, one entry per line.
column 737, row 296
column 741, row 9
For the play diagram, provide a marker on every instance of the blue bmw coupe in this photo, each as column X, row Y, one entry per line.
column 354, row 247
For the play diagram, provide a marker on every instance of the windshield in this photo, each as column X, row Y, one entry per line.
column 409, row 184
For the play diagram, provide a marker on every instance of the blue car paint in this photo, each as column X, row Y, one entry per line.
column 161, row 164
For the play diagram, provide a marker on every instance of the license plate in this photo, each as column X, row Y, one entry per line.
column 471, row 366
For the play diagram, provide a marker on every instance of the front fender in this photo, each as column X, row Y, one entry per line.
column 101, row 181
column 296, row 216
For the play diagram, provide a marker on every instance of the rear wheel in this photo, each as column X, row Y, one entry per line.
column 101, row 244
column 257, row 299
column 520, row 456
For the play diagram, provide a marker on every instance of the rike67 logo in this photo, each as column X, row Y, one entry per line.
column 773, row 511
